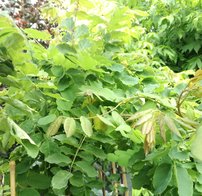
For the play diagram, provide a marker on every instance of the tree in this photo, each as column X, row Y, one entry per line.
column 97, row 99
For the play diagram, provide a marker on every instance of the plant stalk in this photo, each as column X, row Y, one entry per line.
column 12, row 178
column 115, row 184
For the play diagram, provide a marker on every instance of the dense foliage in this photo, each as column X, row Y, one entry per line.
column 102, row 100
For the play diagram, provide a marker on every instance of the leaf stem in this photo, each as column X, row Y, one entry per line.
column 77, row 151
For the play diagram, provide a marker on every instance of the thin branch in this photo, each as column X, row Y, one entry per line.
column 180, row 100
column 77, row 151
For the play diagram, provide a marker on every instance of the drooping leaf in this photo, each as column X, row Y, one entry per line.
column 20, row 133
column 86, row 126
column 139, row 115
column 171, row 125
column 54, row 127
column 147, row 126
column 69, row 126
column 143, row 119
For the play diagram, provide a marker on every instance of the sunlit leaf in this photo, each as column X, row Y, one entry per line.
column 86, row 126
column 69, row 126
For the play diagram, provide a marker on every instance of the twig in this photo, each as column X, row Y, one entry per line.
column 77, row 151
column 12, row 178
column 181, row 100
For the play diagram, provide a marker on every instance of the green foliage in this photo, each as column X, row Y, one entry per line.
column 100, row 94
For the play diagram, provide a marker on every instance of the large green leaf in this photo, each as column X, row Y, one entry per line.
column 162, row 177
column 87, row 168
column 184, row 181
column 58, row 158
column 60, row 179
column 38, row 181
column 47, row 119
column 29, row 192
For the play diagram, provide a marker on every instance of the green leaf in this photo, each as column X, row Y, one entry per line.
column 105, row 120
column 86, row 126
column 162, row 177
column 87, row 168
column 58, row 158
column 47, row 119
column 33, row 33
column 29, row 192
column 199, row 167
column 77, row 179
column 197, row 145
column 128, row 80
column 60, row 179
column 49, row 147
column 19, row 133
column 98, row 152
column 69, row 126
column 184, row 182
column 38, row 181
column 32, row 150
column 140, row 13
column 123, row 127
column 118, row 118
column 112, row 157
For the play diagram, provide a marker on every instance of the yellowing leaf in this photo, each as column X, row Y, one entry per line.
column 190, row 122
column 171, row 125
column 143, row 119
column 139, row 114
column 99, row 125
column 162, row 128
column 86, row 126
column 69, row 126
column 54, row 127
column 147, row 127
